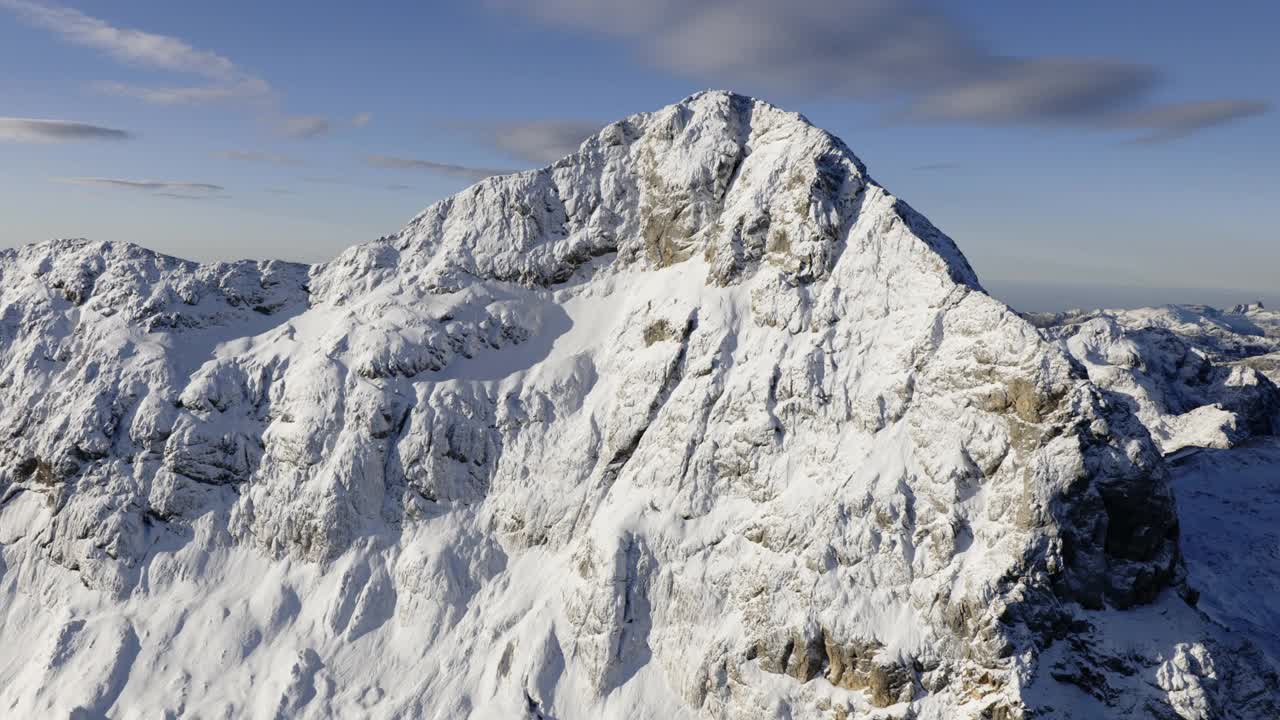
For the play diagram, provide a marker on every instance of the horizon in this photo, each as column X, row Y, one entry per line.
column 209, row 136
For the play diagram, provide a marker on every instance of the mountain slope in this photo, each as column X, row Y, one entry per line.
column 699, row 421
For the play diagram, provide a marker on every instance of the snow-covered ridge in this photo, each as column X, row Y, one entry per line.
column 698, row 422
column 1247, row 334
column 1195, row 375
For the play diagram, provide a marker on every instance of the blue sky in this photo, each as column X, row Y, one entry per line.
column 1083, row 153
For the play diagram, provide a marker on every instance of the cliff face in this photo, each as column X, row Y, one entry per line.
column 698, row 421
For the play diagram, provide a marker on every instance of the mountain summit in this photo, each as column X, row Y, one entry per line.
column 699, row 421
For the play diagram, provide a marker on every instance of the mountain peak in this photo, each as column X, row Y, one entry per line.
column 684, row 422
column 729, row 180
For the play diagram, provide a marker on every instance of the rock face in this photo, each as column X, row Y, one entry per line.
column 699, row 421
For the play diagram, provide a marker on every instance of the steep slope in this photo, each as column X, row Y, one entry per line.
column 698, row 421
column 1230, row 500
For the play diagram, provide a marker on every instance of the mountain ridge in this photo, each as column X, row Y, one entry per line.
column 697, row 420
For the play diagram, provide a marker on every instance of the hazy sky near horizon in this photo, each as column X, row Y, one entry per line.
column 1113, row 148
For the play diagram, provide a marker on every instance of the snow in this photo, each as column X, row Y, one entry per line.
column 699, row 421
column 1189, row 386
column 1229, row 511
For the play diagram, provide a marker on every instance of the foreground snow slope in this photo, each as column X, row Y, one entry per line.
column 1230, row 515
column 698, row 422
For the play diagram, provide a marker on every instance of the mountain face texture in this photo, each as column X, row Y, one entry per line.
column 698, row 422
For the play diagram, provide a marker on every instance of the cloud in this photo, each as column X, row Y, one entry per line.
column 215, row 77
column 303, row 126
column 538, row 142
column 181, row 196
column 54, row 131
column 187, row 95
column 309, row 126
column 932, row 167
column 224, row 79
column 1039, row 91
column 258, row 157
column 1170, row 122
column 541, row 141
column 345, row 181
column 158, row 188
column 903, row 53
column 130, row 46
column 459, row 171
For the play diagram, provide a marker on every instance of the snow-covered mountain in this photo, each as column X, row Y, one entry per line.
column 1247, row 334
column 700, row 421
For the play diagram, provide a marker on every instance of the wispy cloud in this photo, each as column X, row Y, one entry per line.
column 214, row 77
column 459, row 171
column 1028, row 91
column 182, row 196
column 904, row 53
column 131, row 46
column 184, row 95
column 158, row 188
column 258, row 157
column 309, row 126
column 934, row 167
column 303, row 126
column 540, row 141
column 145, row 184
column 32, row 130
column 328, row 180
column 1169, row 122
column 222, row 78
column 536, row 142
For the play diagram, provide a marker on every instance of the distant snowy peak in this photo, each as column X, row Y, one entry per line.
column 1196, row 376
column 1245, row 331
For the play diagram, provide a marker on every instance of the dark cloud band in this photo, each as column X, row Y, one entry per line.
column 459, row 171
column 32, row 130
column 156, row 186
column 899, row 52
